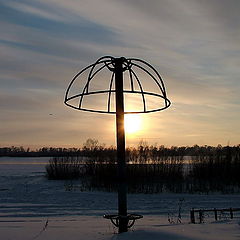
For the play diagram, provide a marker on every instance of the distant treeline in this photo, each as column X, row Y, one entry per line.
column 154, row 169
column 41, row 152
column 93, row 148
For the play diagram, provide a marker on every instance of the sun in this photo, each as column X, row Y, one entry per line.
column 132, row 123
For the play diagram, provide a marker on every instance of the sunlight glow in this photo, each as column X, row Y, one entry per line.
column 132, row 123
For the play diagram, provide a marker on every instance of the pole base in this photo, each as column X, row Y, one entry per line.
column 123, row 223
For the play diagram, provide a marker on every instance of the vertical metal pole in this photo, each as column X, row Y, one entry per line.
column 215, row 213
column 192, row 216
column 231, row 213
column 122, row 184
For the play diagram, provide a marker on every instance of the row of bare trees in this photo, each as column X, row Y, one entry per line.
column 153, row 169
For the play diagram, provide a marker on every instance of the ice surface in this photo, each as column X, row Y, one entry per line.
column 33, row 207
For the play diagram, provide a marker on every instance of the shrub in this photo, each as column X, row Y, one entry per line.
column 64, row 168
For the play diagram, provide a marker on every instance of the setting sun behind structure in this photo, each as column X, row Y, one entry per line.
column 132, row 123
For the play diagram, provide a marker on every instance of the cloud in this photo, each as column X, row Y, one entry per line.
column 27, row 30
column 194, row 45
column 28, row 7
column 78, row 28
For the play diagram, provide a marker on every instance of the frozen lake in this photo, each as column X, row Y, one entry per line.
column 28, row 198
column 22, row 165
column 25, row 191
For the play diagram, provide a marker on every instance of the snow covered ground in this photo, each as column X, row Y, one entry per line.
column 97, row 228
column 32, row 207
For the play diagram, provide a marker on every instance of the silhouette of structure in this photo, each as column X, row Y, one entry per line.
column 123, row 85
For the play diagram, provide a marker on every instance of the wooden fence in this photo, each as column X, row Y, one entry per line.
column 215, row 211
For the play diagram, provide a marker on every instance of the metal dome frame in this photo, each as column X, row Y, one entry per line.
column 128, row 63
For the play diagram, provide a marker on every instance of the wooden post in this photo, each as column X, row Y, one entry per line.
column 231, row 213
column 215, row 214
column 192, row 217
column 201, row 216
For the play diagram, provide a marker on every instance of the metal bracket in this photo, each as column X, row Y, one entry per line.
column 131, row 218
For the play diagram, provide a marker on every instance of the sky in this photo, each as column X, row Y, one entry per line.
column 194, row 45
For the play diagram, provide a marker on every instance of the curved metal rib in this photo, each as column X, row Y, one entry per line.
column 125, row 91
column 99, row 61
column 140, row 86
column 162, row 88
column 129, row 66
column 152, row 76
column 110, row 91
column 150, row 66
column 79, row 73
column 91, row 76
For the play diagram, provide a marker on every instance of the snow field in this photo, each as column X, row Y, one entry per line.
column 32, row 207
